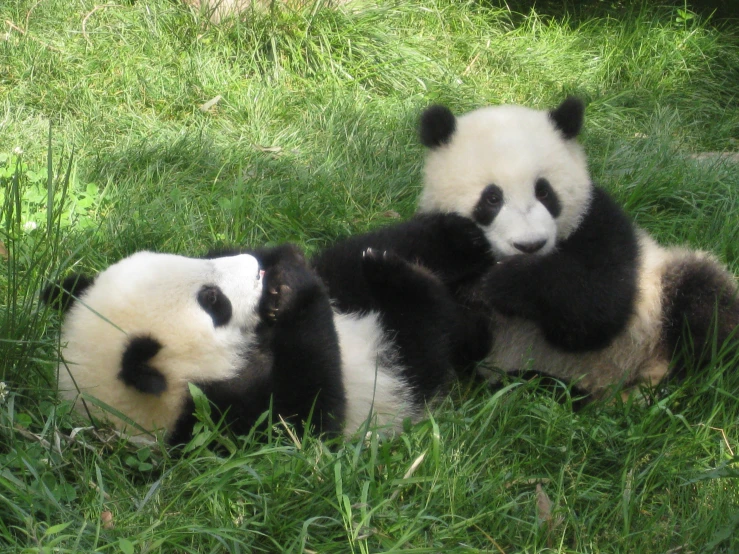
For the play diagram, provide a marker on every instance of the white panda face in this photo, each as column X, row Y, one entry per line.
column 512, row 170
column 199, row 315
column 189, row 293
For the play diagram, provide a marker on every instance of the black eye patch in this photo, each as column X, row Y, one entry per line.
column 546, row 195
column 488, row 206
column 216, row 304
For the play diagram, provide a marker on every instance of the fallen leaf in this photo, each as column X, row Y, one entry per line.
column 543, row 505
column 210, row 103
column 544, row 513
column 409, row 473
column 107, row 518
column 273, row 149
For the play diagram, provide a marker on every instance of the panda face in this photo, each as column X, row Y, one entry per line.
column 516, row 171
column 162, row 316
column 168, row 296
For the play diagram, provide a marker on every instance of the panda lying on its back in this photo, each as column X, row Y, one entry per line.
column 254, row 330
column 577, row 290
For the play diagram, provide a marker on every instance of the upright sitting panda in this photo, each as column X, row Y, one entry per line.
column 577, row 292
column 254, row 330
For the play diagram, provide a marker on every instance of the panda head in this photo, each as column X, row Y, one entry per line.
column 518, row 172
column 136, row 334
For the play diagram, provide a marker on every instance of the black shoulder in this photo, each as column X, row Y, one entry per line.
column 436, row 126
column 606, row 235
column 62, row 295
column 599, row 280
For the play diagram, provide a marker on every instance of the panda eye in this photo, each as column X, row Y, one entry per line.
column 493, row 200
column 547, row 196
column 492, row 196
column 488, row 205
column 209, row 297
column 215, row 304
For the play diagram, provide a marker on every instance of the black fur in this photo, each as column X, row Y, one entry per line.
column 568, row 117
column 215, row 304
column 62, row 295
column 296, row 364
column 451, row 246
column 700, row 312
column 406, row 273
column 546, row 195
column 415, row 302
column 489, row 204
column 437, row 126
column 419, row 313
column 135, row 369
column 582, row 293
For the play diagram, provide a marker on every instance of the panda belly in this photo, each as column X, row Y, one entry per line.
column 372, row 374
column 635, row 356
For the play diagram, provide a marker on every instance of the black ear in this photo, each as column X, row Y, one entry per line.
column 135, row 369
column 437, row 126
column 568, row 117
column 62, row 295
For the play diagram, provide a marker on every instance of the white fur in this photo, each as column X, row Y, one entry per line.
column 371, row 374
column 511, row 147
column 155, row 295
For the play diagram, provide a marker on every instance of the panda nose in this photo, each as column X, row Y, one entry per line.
column 530, row 247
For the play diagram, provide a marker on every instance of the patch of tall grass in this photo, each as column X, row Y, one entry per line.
column 313, row 138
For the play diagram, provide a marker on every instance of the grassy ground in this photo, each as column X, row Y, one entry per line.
column 314, row 138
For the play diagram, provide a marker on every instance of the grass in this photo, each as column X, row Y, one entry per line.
column 313, row 139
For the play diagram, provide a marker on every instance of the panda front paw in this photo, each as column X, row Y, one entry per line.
column 511, row 288
column 515, row 272
column 284, row 286
column 275, row 301
column 465, row 239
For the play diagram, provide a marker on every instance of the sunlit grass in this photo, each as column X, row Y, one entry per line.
column 313, row 138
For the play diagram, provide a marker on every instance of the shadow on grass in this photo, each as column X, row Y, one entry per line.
column 720, row 12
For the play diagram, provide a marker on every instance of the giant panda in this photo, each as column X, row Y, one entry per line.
column 253, row 330
column 577, row 291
